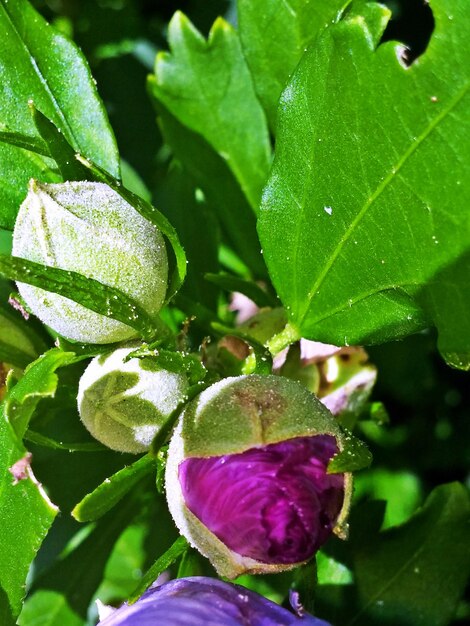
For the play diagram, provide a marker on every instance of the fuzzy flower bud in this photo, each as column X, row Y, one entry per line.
column 201, row 601
column 88, row 228
column 123, row 404
column 247, row 480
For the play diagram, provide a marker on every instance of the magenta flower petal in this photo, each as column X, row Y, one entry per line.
column 274, row 504
column 201, row 601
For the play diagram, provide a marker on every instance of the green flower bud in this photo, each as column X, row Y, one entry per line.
column 88, row 228
column 123, row 404
column 246, row 478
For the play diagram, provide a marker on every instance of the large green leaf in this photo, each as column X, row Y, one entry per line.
column 413, row 575
column 207, row 86
column 26, row 514
column 40, row 64
column 274, row 36
column 364, row 224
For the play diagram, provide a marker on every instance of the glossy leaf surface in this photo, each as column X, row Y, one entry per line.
column 274, row 36
column 206, row 85
column 40, row 64
column 94, row 505
column 413, row 574
column 39, row 381
column 26, row 513
column 364, row 225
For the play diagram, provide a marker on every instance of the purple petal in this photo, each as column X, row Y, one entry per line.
column 201, row 601
column 275, row 504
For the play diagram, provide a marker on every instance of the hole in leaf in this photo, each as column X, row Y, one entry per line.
column 412, row 24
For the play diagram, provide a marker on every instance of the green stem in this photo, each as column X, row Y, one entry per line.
column 283, row 339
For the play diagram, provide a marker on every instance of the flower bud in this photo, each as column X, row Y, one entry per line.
column 123, row 404
column 247, row 480
column 201, row 601
column 88, row 228
column 342, row 378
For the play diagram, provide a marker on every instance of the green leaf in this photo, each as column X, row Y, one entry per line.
column 305, row 581
column 354, row 456
column 48, row 442
column 207, row 86
column 94, row 505
column 364, row 225
column 161, row 564
column 26, row 514
column 274, row 36
column 86, row 291
column 212, row 174
column 9, row 353
column 40, row 64
column 19, row 342
column 125, row 564
column 197, row 228
column 26, row 142
column 49, row 608
column 60, row 149
column 413, row 575
column 17, row 167
column 401, row 489
column 332, row 572
column 250, row 289
column 177, row 362
column 6, row 616
column 190, row 564
column 39, row 381
column 75, row 577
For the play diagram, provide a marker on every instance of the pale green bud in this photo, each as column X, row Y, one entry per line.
column 89, row 228
column 124, row 404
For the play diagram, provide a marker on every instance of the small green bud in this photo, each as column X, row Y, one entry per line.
column 88, row 228
column 124, row 404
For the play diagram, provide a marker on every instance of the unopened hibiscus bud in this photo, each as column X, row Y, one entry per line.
column 88, row 228
column 342, row 378
column 123, row 404
column 247, row 480
column 201, row 601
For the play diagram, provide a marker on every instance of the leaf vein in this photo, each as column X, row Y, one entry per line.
column 381, row 188
column 41, row 77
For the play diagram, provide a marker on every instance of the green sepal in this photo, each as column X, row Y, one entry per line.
column 58, row 146
column 111, row 491
column 258, row 411
column 88, row 292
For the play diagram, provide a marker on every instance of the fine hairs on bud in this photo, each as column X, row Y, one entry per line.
column 89, row 228
column 123, row 403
